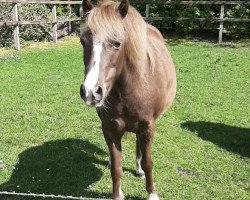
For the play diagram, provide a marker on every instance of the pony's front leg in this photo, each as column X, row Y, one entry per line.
column 113, row 141
column 145, row 137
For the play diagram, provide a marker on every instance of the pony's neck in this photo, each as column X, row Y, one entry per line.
column 129, row 76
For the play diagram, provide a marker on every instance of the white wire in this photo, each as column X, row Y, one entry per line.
column 48, row 196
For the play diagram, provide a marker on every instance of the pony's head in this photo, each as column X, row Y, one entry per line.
column 102, row 39
column 112, row 31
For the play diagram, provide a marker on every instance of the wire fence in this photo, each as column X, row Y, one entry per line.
column 52, row 196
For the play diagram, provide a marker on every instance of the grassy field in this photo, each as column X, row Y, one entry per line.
column 50, row 142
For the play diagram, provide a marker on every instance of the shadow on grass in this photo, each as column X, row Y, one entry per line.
column 231, row 138
column 65, row 167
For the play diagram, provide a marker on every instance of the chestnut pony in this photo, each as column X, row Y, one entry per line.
column 130, row 79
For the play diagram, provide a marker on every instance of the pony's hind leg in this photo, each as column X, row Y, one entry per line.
column 139, row 172
column 145, row 137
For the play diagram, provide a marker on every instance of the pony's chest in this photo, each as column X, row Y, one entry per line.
column 124, row 116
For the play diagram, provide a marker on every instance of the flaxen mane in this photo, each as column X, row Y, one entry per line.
column 107, row 25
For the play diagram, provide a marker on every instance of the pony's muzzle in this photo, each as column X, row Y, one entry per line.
column 91, row 97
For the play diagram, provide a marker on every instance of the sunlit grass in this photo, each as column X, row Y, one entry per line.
column 52, row 143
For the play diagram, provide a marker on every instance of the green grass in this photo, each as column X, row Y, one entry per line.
column 52, row 143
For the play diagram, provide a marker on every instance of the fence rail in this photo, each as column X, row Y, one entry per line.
column 192, row 2
column 197, row 19
column 49, row 2
column 136, row 2
column 54, row 21
column 15, row 23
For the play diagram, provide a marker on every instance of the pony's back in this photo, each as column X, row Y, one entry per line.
column 164, row 69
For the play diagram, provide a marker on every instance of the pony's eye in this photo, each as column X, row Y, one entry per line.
column 116, row 45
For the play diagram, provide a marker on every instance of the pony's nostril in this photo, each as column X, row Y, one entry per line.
column 82, row 92
column 97, row 93
column 98, row 90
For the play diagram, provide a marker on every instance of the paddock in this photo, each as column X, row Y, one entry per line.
column 51, row 143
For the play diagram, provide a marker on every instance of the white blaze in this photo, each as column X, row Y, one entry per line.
column 93, row 74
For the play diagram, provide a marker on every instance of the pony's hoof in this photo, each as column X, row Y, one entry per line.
column 109, row 165
column 120, row 197
column 140, row 174
column 153, row 196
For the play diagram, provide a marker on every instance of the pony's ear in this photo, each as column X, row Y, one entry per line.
column 87, row 5
column 123, row 8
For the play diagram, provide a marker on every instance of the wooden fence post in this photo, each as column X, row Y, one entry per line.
column 16, row 27
column 82, row 19
column 81, row 12
column 54, row 23
column 69, row 25
column 222, row 11
column 147, row 10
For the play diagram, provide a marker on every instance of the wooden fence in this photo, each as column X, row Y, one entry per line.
column 221, row 20
column 54, row 21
